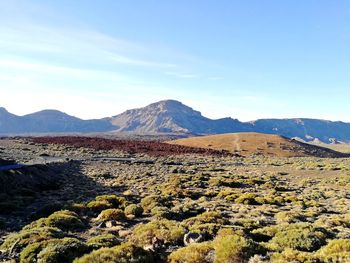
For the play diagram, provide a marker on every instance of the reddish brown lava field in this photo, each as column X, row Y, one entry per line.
column 129, row 146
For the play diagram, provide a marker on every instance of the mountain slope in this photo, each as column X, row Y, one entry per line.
column 257, row 144
column 47, row 121
column 306, row 129
column 171, row 116
column 8, row 121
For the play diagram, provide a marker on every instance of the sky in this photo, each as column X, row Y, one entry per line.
column 245, row 59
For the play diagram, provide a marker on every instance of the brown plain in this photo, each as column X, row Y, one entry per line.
column 252, row 143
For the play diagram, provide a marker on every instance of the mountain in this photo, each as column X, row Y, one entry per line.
column 49, row 121
column 305, row 129
column 8, row 121
column 172, row 117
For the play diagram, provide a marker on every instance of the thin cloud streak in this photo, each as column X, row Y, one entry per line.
column 78, row 45
column 183, row 75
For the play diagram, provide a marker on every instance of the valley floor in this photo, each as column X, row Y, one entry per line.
column 172, row 208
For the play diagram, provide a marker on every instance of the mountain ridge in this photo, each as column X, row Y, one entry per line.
column 171, row 116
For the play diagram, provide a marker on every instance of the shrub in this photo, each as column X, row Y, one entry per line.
column 230, row 232
column 65, row 220
column 194, row 253
column 247, row 199
column 54, row 251
column 207, row 230
column 204, row 218
column 100, row 241
column 228, row 194
column 150, row 202
column 25, row 237
column 290, row 255
column 77, row 207
column 337, row 250
column 111, row 214
column 250, row 223
column 98, row 206
column 134, row 210
column 301, row 236
column 234, row 248
column 29, row 254
column 187, row 209
column 114, row 200
column 124, row 253
column 288, row 217
column 166, row 230
column 161, row 212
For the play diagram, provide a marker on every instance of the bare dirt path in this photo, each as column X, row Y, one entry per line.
column 236, row 144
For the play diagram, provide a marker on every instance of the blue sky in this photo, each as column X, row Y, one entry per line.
column 245, row 59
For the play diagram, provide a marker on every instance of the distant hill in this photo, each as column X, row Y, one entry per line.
column 251, row 143
column 49, row 121
column 306, row 129
column 172, row 117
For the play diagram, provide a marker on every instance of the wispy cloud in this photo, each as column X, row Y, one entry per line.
column 78, row 46
column 215, row 78
column 183, row 75
column 57, row 70
column 139, row 62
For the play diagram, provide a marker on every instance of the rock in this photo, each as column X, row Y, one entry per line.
column 156, row 245
column 190, row 238
column 110, row 223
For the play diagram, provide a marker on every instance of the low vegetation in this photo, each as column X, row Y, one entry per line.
column 187, row 208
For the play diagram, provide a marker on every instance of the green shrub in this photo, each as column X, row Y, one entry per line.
column 114, row 200
column 111, row 214
column 161, row 212
column 223, row 232
column 65, row 220
column 77, row 207
column 54, row 251
column 247, row 199
column 124, row 253
column 301, row 236
column 234, row 248
column 151, row 201
column 30, row 253
column 288, row 217
column 207, row 230
column 205, row 218
column 290, row 255
column 134, row 210
column 166, row 230
column 228, row 194
column 98, row 206
column 337, row 250
column 250, row 223
column 194, row 253
column 100, row 241
column 188, row 209
column 28, row 236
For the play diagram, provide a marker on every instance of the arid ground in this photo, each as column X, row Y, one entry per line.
column 96, row 200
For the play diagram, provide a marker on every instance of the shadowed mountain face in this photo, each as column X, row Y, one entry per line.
column 170, row 116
